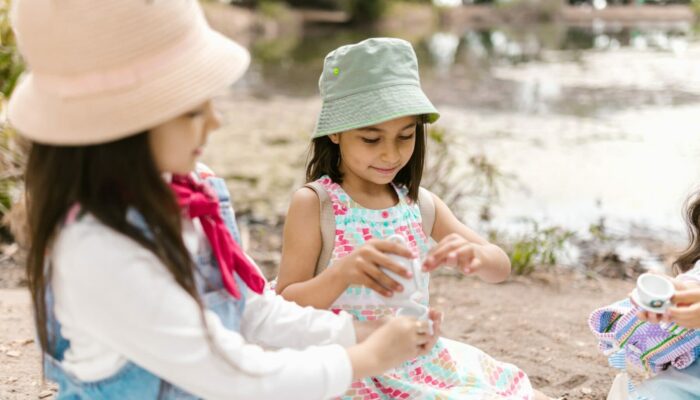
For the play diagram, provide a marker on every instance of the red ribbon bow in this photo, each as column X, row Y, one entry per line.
column 197, row 201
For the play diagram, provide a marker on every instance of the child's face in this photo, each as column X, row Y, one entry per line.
column 377, row 153
column 176, row 144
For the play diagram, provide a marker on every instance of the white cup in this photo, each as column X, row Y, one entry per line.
column 653, row 290
column 410, row 285
column 417, row 311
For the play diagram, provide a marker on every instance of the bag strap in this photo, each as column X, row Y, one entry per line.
column 426, row 204
column 327, row 222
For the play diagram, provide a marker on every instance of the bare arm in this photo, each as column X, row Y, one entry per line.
column 300, row 251
column 488, row 261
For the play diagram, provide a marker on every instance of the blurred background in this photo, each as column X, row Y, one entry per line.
column 567, row 132
column 567, row 129
column 568, row 135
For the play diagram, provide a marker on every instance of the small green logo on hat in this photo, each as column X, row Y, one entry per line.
column 336, row 71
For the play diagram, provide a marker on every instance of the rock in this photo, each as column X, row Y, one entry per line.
column 45, row 393
column 13, row 354
column 12, row 379
column 22, row 342
column 586, row 390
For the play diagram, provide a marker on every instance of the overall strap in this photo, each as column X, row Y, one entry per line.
column 426, row 204
column 327, row 222
column 203, row 174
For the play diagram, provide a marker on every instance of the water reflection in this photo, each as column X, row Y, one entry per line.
column 595, row 121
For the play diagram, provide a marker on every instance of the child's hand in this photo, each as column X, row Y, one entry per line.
column 399, row 339
column 363, row 266
column 457, row 252
column 686, row 309
column 363, row 329
column 436, row 317
column 682, row 312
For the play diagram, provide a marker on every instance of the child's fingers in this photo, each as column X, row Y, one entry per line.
column 452, row 259
column 690, row 296
column 380, row 259
column 436, row 316
column 466, row 258
column 685, row 313
column 654, row 318
column 387, row 246
column 371, row 283
column 440, row 255
column 642, row 315
column 384, row 280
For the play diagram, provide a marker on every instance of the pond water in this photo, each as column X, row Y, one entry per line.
column 590, row 122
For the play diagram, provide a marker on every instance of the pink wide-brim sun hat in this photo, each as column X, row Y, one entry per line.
column 103, row 70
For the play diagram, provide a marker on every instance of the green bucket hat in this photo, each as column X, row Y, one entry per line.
column 368, row 83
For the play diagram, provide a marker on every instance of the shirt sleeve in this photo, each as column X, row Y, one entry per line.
column 269, row 315
column 121, row 295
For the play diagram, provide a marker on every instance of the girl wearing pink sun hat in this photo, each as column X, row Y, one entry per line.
column 138, row 287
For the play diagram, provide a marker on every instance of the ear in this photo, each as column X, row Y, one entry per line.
column 334, row 137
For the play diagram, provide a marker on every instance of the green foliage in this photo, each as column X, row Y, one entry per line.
column 366, row 11
column 274, row 9
column 11, row 65
column 11, row 159
column 539, row 247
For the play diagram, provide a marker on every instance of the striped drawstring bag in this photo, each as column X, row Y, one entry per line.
column 652, row 348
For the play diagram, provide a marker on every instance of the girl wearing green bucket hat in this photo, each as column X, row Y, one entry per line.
column 364, row 177
column 139, row 289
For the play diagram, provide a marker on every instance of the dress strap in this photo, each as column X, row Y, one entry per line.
column 426, row 204
column 327, row 222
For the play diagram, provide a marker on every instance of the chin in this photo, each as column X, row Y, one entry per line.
column 184, row 169
column 382, row 179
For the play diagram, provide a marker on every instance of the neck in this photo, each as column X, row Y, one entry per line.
column 367, row 193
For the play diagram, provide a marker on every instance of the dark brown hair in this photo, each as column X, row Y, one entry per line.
column 105, row 180
column 324, row 159
column 691, row 254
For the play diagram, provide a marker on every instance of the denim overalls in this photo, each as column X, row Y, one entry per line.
column 132, row 381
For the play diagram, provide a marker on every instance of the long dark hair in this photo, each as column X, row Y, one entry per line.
column 324, row 159
column 691, row 254
column 105, row 180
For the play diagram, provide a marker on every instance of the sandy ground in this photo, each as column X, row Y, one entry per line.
column 538, row 323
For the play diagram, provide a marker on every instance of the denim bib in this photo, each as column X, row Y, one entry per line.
column 132, row 381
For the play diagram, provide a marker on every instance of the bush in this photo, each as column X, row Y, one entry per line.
column 11, row 154
column 366, row 11
column 540, row 247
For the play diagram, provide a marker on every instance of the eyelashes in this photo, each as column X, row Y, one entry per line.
column 374, row 141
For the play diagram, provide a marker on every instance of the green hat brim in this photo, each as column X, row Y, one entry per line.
column 373, row 107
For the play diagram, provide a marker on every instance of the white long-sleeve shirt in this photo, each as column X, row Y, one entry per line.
column 116, row 302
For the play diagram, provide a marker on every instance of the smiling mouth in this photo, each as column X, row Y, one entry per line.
column 385, row 170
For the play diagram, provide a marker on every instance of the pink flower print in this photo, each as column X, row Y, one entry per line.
column 339, row 209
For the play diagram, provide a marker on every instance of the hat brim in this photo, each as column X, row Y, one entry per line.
column 373, row 107
column 211, row 64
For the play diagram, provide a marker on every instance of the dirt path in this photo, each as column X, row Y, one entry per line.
column 538, row 324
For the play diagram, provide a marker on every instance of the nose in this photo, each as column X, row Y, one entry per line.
column 391, row 154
